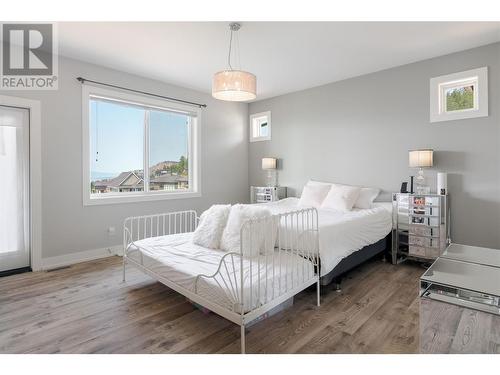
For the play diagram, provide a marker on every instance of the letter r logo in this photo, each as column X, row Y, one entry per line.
column 27, row 49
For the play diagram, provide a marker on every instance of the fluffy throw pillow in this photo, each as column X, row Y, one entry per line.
column 313, row 195
column 211, row 225
column 230, row 240
column 341, row 198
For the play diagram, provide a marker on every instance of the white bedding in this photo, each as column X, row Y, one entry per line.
column 343, row 233
column 177, row 259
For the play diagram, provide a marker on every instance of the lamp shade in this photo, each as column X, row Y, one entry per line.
column 234, row 86
column 268, row 163
column 420, row 158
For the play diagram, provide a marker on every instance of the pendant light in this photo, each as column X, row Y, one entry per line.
column 234, row 85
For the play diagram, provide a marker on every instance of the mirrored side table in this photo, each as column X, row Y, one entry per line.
column 460, row 302
column 266, row 194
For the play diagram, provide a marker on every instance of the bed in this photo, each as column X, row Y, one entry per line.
column 242, row 286
column 346, row 239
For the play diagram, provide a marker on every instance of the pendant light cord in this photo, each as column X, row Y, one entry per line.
column 238, row 50
column 229, row 54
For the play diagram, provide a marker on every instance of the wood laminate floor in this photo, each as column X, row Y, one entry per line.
column 87, row 309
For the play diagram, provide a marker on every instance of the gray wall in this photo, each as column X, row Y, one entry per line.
column 359, row 131
column 67, row 225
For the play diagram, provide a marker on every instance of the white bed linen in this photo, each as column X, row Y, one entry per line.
column 343, row 233
column 177, row 259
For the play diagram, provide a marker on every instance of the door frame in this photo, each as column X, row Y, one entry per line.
column 35, row 173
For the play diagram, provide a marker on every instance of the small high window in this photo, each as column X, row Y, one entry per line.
column 459, row 95
column 260, row 126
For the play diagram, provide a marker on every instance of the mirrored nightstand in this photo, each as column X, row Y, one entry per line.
column 265, row 194
column 420, row 226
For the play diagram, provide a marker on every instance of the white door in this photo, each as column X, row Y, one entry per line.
column 14, row 188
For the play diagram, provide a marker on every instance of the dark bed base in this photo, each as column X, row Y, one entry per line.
column 355, row 259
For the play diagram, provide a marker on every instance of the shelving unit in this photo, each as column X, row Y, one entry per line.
column 420, row 226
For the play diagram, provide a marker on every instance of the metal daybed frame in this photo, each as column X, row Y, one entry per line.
column 290, row 236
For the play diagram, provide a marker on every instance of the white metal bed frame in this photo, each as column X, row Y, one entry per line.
column 294, row 234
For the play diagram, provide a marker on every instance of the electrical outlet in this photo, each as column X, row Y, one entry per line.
column 111, row 231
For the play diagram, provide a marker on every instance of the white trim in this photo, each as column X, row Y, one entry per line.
column 139, row 197
column 81, row 256
column 144, row 101
column 256, row 116
column 476, row 77
column 34, row 107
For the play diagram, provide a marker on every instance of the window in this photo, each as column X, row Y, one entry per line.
column 260, row 127
column 459, row 95
column 459, row 98
column 137, row 148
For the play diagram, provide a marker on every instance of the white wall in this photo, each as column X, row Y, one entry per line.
column 359, row 131
column 69, row 227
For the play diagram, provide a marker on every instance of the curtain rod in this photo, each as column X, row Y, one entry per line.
column 83, row 80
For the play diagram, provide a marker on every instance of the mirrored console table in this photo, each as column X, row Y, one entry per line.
column 460, row 302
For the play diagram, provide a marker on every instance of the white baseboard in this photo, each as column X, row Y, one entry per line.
column 81, row 256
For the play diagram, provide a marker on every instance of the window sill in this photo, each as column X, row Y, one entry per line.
column 260, row 139
column 133, row 198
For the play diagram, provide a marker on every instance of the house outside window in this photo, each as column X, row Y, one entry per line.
column 137, row 148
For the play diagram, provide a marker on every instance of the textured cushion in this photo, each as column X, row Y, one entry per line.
column 366, row 197
column 313, row 195
column 230, row 240
column 341, row 198
column 212, row 223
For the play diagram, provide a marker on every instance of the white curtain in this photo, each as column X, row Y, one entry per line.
column 13, row 187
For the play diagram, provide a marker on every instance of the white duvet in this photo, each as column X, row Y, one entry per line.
column 176, row 258
column 343, row 233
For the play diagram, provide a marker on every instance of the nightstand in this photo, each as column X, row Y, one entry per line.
column 264, row 194
column 420, row 226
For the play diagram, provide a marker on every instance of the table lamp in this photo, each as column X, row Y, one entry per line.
column 421, row 159
column 269, row 165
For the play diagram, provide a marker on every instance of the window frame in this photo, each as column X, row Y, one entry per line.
column 478, row 78
column 194, row 151
column 253, row 118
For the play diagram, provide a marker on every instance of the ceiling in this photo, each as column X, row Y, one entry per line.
column 285, row 56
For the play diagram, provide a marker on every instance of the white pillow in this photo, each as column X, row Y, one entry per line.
column 316, row 183
column 366, row 197
column 341, row 198
column 230, row 240
column 211, row 225
column 313, row 195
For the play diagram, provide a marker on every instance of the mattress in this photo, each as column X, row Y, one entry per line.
column 343, row 233
column 177, row 259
